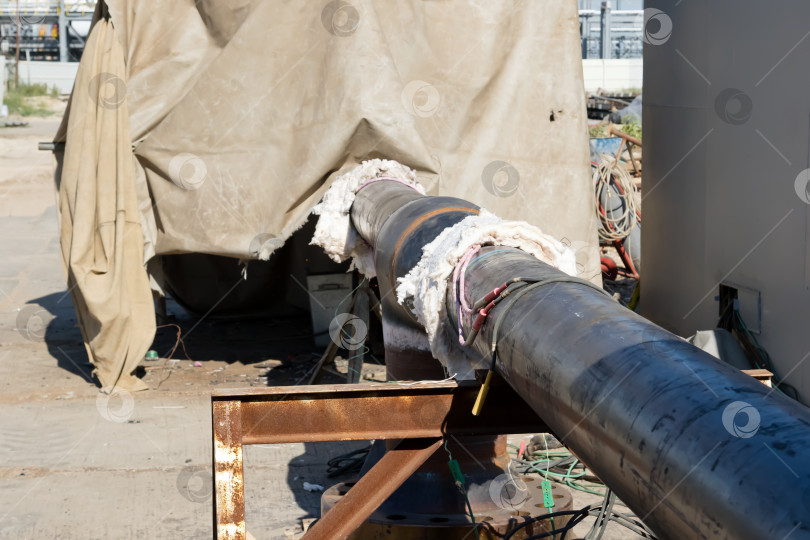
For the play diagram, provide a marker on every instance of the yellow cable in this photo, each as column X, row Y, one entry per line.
column 482, row 395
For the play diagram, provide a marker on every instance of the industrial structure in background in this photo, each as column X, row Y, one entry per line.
column 52, row 36
column 611, row 29
column 50, row 30
column 55, row 30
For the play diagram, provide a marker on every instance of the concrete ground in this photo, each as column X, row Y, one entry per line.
column 76, row 464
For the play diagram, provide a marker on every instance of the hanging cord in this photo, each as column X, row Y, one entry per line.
column 548, row 498
column 612, row 183
column 458, row 477
column 177, row 342
column 350, row 462
column 459, row 288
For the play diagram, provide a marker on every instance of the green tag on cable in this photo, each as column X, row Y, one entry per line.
column 548, row 498
column 455, row 470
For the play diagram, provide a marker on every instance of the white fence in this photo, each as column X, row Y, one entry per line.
column 58, row 74
column 614, row 74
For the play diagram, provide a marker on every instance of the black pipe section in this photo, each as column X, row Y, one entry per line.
column 694, row 447
column 398, row 221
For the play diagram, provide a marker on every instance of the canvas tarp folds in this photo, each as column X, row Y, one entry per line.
column 239, row 116
column 102, row 243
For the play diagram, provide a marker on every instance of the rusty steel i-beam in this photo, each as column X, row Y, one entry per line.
column 415, row 418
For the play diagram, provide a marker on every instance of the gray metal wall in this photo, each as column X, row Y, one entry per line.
column 726, row 134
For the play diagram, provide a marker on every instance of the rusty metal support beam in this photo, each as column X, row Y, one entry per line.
column 417, row 411
column 354, row 412
column 229, row 499
column 373, row 489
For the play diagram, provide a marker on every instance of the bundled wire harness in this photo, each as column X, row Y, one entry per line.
column 731, row 320
column 516, row 287
column 348, row 463
column 616, row 200
column 556, row 463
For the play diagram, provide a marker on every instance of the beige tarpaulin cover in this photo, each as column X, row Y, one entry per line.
column 241, row 113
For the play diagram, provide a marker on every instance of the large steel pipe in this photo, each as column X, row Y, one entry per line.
column 694, row 447
column 429, row 504
column 397, row 246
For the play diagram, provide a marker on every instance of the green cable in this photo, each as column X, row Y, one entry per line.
column 574, row 480
column 458, row 476
column 568, row 478
column 568, row 481
column 548, row 499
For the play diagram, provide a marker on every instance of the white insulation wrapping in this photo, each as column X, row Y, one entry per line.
column 425, row 286
column 334, row 231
